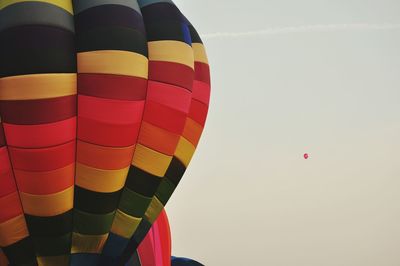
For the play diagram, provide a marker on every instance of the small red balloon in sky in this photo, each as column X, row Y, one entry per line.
column 306, row 156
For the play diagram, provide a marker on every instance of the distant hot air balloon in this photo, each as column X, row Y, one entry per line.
column 102, row 104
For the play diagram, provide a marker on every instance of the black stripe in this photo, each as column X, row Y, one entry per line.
column 53, row 246
column 195, row 35
column 21, row 253
column 168, row 30
column 141, row 231
column 142, row 182
column 50, row 226
column 109, row 16
column 175, row 171
column 161, row 12
column 112, row 38
column 2, row 137
column 95, row 202
column 36, row 13
column 36, row 49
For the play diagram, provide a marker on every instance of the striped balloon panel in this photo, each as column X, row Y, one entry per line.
column 14, row 236
column 38, row 108
column 192, row 131
column 189, row 140
column 171, row 72
column 112, row 83
column 190, row 136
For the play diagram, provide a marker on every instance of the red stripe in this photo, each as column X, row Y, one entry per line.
column 45, row 135
column 169, row 95
column 45, row 159
column 31, row 112
column 110, row 111
column 146, row 250
column 7, row 183
column 201, row 92
column 164, row 117
column 171, row 73
column 10, row 207
column 112, row 86
column 202, row 72
column 165, row 237
column 99, row 133
column 198, row 112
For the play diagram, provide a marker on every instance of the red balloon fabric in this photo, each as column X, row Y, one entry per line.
column 155, row 249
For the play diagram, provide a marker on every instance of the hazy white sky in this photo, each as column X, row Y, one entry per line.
column 248, row 197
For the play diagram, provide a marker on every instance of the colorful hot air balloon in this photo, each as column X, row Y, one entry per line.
column 102, row 104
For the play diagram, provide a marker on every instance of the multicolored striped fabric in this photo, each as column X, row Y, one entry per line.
column 38, row 106
column 102, row 103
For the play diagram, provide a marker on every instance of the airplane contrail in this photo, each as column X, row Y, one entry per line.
column 302, row 29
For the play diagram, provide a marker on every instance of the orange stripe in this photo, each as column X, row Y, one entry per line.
column 158, row 139
column 3, row 259
column 13, row 230
column 192, row 131
column 43, row 183
column 107, row 158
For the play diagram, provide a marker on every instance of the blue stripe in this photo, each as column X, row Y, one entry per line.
column 84, row 259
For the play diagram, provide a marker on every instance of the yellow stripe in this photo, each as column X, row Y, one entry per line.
column 39, row 86
column 124, row 225
column 184, row 151
column 48, row 205
column 113, row 62
column 99, row 180
column 13, row 231
column 151, row 161
column 199, row 52
column 88, row 243
column 171, row 51
column 153, row 210
column 64, row 4
column 53, row 260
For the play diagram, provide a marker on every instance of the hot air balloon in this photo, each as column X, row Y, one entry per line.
column 102, row 105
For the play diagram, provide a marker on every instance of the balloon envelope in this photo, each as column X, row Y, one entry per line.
column 102, row 105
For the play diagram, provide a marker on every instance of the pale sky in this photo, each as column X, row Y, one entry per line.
column 249, row 197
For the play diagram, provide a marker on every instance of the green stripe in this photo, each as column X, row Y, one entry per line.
column 165, row 190
column 133, row 203
column 92, row 224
